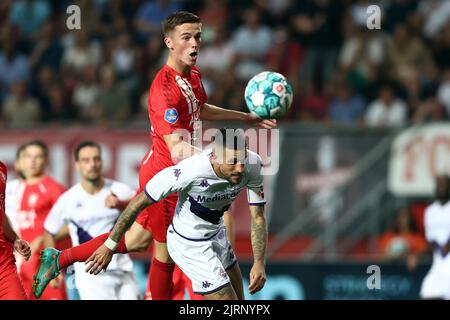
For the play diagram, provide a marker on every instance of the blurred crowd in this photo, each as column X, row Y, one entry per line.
column 341, row 71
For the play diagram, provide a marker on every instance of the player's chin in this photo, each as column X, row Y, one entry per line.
column 235, row 179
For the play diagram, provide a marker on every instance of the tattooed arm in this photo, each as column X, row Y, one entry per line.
column 100, row 259
column 259, row 244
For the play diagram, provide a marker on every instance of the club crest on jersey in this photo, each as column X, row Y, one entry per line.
column 171, row 115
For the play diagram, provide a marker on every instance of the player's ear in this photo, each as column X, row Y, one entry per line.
column 168, row 42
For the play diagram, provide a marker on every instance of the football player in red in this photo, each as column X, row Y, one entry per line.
column 34, row 197
column 11, row 287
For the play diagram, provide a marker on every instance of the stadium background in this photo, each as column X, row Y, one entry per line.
column 366, row 134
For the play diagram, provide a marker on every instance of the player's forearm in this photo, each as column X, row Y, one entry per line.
column 259, row 235
column 129, row 215
column 210, row 112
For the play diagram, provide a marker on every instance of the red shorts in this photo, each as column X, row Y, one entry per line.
column 157, row 217
column 11, row 287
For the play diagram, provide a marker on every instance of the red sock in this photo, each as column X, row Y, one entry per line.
column 161, row 280
column 84, row 251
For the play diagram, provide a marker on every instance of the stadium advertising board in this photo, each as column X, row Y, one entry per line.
column 417, row 155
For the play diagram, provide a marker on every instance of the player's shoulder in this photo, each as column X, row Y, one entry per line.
column 70, row 194
column 2, row 167
column 120, row 189
column 53, row 183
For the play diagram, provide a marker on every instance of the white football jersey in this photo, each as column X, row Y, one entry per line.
column 87, row 218
column 437, row 228
column 202, row 195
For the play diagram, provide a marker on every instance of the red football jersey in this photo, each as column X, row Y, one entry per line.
column 174, row 102
column 3, row 176
column 34, row 203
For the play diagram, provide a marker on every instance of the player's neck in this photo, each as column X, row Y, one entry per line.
column 93, row 187
column 35, row 179
column 179, row 67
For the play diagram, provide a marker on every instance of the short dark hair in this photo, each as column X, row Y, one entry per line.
column 230, row 138
column 178, row 18
column 19, row 151
column 36, row 143
column 84, row 144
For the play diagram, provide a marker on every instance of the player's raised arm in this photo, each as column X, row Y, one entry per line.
column 214, row 113
column 178, row 148
column 259, row 244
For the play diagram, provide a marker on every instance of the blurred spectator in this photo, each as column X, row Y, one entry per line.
column 314, row 107
column 435, row 14
column 215, row 16
column 317, row 28
column 402, row 239
column 387, row 110
column 13, row 66
column 112, row 99
column 19, row 109
column 151, row 14
column 216, row 56
column 444, row 91
column 91, row 17
column 60, row 109
column 286, row 55
column 82, row 53
column 399, row 11
column 251, row 42
column 406, row 53
column 123, row 56
column 86, row 94
column 346, row 107
column 48, row 50
column 362, row 56
column 29, row 15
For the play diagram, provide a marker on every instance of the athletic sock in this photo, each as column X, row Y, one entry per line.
column 161, row 280
column 85, row 250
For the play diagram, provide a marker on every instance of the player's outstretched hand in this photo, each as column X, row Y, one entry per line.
column 23, row 248
column 257, row 278
column 256, row 121
column 99, row 260
column 112, row 201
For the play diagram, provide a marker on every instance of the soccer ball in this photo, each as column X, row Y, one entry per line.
column 269, row 95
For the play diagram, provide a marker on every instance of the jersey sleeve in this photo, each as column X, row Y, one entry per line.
column 169, row 180
column 255, row 189
column 122, row 191
column 164, row 112
column 56, row 218
column 426, row 222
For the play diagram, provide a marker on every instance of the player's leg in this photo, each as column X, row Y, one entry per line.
column 234, row 272
column 95, row 287
column 226, row 293
column 11, row 287
column 127, row 287
column 52, row 261
column 161, row 269
column 138, row 238
column 200, row 262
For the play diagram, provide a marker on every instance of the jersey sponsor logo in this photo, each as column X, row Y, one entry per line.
column 217, row 196
column 176, row 173
column 206, row 284
column 171, row 115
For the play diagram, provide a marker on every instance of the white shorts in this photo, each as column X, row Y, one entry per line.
column 109, row 285
column 436, row 284
column 204, row 262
